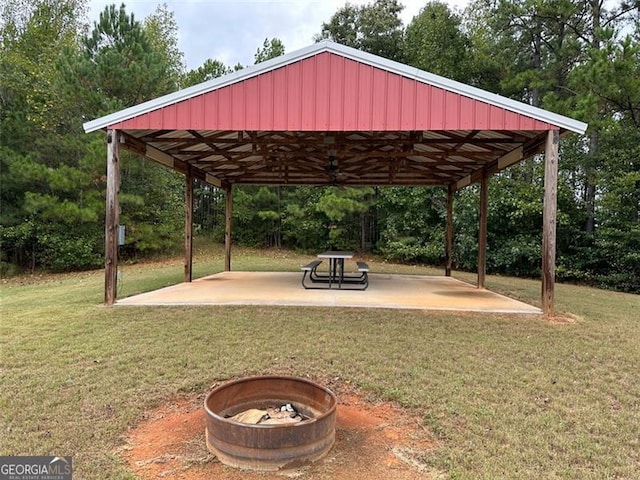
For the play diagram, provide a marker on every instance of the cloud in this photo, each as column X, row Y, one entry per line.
column 231, row 31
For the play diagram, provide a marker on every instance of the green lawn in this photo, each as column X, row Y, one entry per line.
column 504, row 396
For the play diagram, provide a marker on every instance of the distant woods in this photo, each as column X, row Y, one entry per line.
column 577, row 58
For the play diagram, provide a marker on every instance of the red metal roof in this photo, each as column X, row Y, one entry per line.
column 328, row 92
column 332, row 114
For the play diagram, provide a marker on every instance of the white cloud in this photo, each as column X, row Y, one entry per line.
column 231, row 31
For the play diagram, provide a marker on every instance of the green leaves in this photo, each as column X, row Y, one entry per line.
column 49, row 208
column 336, row 203
column 161, row 29
column 270, row 49
column 570, row 56
column 208, row 70
column 375, row 28
column 435, row 42
column 122, row 63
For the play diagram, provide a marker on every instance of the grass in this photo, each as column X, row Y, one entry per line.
column 504, row 396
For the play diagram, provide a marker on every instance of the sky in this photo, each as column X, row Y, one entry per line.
column 232, row 30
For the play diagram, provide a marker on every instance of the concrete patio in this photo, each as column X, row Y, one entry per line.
column 284, row 288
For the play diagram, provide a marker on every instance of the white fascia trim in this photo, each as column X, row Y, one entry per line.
column 353, row 54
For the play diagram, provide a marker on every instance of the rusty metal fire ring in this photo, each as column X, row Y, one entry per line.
column 270, row 447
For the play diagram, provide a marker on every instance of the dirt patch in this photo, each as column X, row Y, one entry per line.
column 374, row 441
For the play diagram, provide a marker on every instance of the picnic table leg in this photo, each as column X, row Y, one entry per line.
column 335, row 265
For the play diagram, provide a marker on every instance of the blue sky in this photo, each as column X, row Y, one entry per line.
column 231, row 31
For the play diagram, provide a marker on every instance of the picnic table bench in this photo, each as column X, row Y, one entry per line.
column 363, row 267
column 310, row 269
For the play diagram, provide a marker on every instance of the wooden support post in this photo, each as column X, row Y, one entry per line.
column 188, row 226
column 227, row 230
column 549, row 222
column 112, row 219
column 482, row 233
column 449, row 233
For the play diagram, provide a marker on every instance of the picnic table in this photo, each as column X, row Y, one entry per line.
column 335, row 275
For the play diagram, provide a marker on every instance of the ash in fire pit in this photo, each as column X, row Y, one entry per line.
column 266, row 423
column 282, row 415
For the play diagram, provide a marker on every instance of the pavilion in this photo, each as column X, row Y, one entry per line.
column 330, row 114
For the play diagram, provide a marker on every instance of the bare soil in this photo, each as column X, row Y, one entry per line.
column 374, row 441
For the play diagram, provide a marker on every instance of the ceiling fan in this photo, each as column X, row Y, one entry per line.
column 333, row 170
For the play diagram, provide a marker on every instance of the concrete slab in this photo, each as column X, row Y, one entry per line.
column 284, row 288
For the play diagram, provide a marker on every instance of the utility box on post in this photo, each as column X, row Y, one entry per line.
column 120, row 235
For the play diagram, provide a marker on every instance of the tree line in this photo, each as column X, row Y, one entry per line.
column 579, row 58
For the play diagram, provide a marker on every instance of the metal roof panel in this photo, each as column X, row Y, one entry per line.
column 331, row 78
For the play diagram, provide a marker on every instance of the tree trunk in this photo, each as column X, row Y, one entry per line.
column 590, row 183
column 594, row 137
column 537, row 64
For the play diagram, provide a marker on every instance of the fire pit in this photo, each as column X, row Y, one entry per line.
column 261, row 446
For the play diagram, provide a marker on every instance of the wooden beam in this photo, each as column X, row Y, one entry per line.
column 159, row 156
column 134, row 144
column 212, row 180
column 112, row 219
column 227, row 230
column 482, row 233
column 188, row 226
column 514, row 156
column 506, row 160
column 449, row 233
column 549, row 222
column 463, row 182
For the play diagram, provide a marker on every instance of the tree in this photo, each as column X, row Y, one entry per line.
column 588, row 80
column 124, row 63
column 33, row 35
column 568, row 56
column 342, row 208
column 375, row 28
column 532, row 41
column 210, row 69
column 61, row 174
column 609, row 86
column 303, row 226
column 161, row 29
column 435, row 42
column 411, row 223
column 47, row 188
column 270, row 49
column 118, row 65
